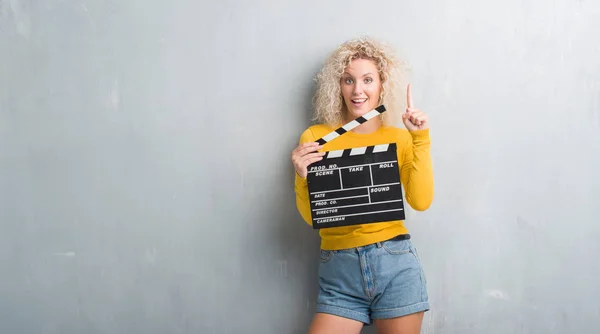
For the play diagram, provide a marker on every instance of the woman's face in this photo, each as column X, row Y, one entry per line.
column 361, row 86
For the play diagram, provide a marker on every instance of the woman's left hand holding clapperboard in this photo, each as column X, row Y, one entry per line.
column 304, row 155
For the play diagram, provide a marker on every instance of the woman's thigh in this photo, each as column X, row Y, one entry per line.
column 324, row 323
column 408, row 324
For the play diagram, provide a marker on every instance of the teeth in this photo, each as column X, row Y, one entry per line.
column 358, row 101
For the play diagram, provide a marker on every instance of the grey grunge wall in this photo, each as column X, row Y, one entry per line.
column 146, row 184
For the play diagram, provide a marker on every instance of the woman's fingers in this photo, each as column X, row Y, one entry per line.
column 310, row 157
column 304, row 155
column 313, row 159
column 416, row 116
column 304, row 148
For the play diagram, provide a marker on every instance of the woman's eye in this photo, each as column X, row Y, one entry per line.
column 348, row 81
column 368, row 80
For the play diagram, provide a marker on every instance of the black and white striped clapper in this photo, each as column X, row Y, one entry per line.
column 353, row 186
column 351, row 125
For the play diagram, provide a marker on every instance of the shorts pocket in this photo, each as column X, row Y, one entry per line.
column 326, row 255
column 418, row 258
column 397, row 247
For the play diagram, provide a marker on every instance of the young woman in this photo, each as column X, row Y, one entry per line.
column 370, row 273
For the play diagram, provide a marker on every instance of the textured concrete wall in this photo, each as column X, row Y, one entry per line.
column 146, row 185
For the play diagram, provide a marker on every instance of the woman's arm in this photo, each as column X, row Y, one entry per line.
column 302, row 157
column 417, row 171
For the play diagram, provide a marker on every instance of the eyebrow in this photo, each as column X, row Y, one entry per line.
column 364, row 75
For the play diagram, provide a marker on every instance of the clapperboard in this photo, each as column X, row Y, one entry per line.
column 358, row 185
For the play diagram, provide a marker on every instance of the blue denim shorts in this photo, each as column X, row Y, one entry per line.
column 378, row 281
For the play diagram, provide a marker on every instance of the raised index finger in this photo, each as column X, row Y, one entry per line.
column 408, row 97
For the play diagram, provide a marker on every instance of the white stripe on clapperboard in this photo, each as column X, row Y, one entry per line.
column 348, row 206
column 346, row 167
column 358, row 214
column 331, row 199
column 344, row 189
column 357, row 151
column 381, row 148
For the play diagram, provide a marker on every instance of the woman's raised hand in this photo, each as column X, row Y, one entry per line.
column 413, row 118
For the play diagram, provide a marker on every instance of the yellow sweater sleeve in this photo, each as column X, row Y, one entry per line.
column 417, row 171
column 301, row 185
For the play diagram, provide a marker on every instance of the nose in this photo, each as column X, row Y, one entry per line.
column 357, row 88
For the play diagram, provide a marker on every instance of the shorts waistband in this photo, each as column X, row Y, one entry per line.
column 396, row 238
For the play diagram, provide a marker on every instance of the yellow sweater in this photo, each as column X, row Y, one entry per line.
column 413, row 149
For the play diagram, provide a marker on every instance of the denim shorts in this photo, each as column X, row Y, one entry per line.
column 377, row 281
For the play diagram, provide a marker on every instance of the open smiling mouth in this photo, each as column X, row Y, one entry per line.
column 358, row 102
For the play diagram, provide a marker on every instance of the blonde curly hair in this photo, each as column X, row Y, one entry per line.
column 329, row 106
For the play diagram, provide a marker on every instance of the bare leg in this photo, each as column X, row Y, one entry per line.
column 324, row 323
column 409, row 324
